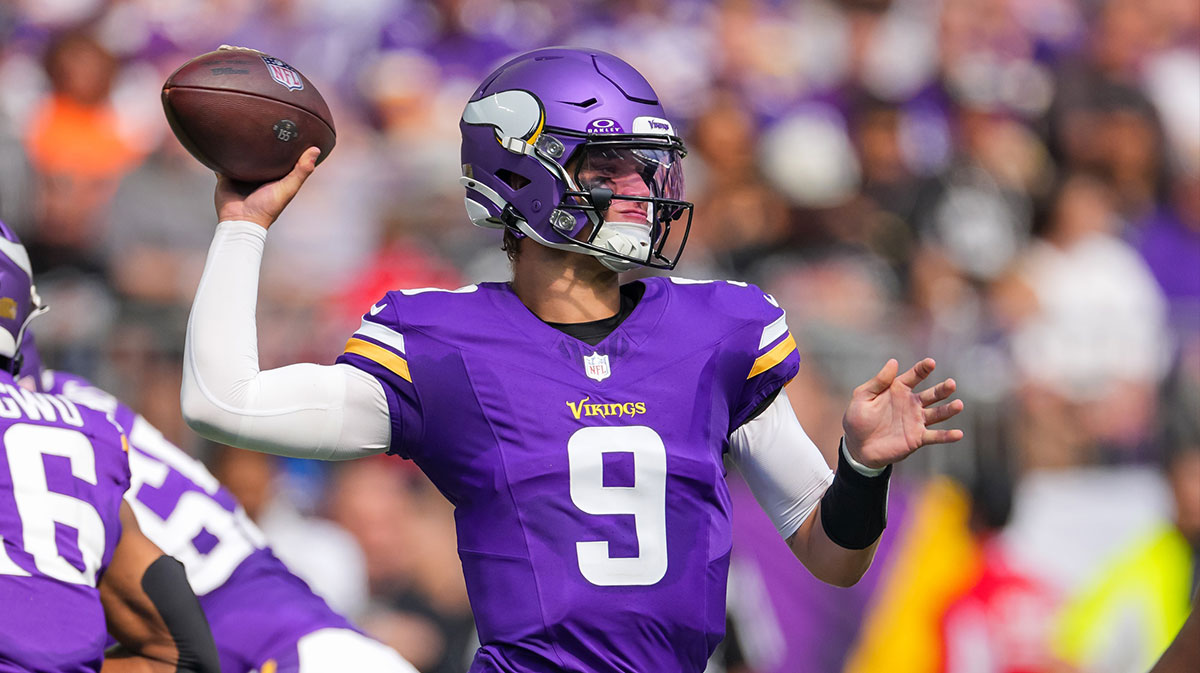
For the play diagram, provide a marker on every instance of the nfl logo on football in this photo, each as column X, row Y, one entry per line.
column 283, row 73
column 596, row 366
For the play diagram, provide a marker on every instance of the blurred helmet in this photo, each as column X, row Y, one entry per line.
column 571, row 148
column 29, row 363
column 19, row 302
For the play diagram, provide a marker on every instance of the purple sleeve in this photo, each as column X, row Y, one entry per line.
column 378, row 348
column 767, row 345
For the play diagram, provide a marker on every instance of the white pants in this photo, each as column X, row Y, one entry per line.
column 342, row 651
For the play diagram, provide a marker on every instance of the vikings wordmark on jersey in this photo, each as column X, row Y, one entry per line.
column 592, row 512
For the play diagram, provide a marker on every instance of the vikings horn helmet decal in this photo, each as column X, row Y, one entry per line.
column 570, row 147
column 514, row 114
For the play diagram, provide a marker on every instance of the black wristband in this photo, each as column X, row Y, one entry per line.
column 165, row 583
column 854, row 509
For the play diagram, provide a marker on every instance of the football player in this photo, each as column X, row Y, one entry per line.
column 71, row 555
column 263, row 617
column 577, row 424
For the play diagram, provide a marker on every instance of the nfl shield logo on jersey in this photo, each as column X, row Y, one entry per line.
column 596, row 366
column 283, row 73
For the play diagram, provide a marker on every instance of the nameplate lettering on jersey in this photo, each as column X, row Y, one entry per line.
column 16, row 402
column 585, row 407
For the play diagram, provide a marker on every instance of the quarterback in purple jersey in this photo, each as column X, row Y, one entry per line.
column 263, row 617
column 578, row 425
column 73, row 564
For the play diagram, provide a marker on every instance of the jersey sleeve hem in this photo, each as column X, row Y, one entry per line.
column 394, row 403
column 769, row 373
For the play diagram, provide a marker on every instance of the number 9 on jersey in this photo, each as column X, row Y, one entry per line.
column 646, row 500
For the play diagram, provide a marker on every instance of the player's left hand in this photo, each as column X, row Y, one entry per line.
column 887, row 419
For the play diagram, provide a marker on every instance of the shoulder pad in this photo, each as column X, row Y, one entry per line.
column 733, row 299
column 422, row 306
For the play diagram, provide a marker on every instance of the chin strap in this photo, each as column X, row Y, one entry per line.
column 624, row 238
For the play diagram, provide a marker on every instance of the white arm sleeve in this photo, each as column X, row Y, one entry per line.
column 784, row 469
column 304, row 410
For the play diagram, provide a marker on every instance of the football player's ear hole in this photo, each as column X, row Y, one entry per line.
column 514, row 180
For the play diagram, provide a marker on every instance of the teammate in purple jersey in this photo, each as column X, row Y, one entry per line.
column 263, row 617
column 578, row 425
column 71, row 556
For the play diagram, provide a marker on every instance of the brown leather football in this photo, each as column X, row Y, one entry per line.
column 245, row 114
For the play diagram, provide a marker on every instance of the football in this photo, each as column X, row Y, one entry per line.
column 245, row 114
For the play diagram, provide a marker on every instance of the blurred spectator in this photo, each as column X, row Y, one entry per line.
column 1183, row 473
column 1131, row 609
column 1004, row 621
column 1133, row 159
column 1094, row 534
column 1093, row 346
column 145, row 367
column 808, row 157
column 158, row 230
column 402, row 261
column 1169, row 240
column 980, row 220
column 739, row 216
column 406, row 530
column 888, row 175
column 17, row 183
column 80, row 150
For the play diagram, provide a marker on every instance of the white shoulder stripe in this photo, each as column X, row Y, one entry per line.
column 773, row 331
column 384, row 335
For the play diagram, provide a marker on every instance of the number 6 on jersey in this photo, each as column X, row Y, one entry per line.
column 646, row 500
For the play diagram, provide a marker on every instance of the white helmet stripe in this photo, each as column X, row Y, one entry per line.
column 17, row 253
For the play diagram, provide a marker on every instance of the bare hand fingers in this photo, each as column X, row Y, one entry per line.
column 940, row 413
column 304, row 167
column 913, row 377
column 937, row 393
column 881, row 381
column 940, row 437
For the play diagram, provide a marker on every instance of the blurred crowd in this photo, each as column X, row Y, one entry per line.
column 1010, row 186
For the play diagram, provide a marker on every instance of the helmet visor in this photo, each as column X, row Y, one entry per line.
column 634, row 179
column 641, row 178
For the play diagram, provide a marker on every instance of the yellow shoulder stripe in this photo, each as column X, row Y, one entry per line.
column 773, row 357
column 395, row 363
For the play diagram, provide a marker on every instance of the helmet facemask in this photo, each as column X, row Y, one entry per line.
column 627, row 192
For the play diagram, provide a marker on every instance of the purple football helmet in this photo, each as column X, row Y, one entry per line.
column 19, row 302
column 571, row 148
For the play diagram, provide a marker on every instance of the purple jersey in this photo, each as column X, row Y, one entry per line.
column 63, row 471
column 256, row 607
column 592, row 513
